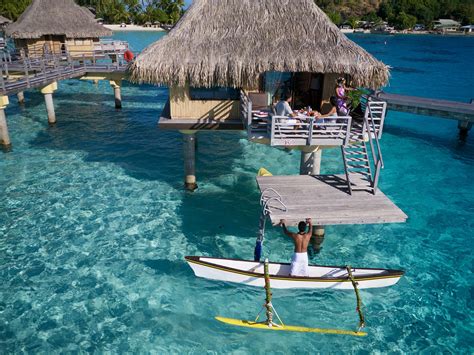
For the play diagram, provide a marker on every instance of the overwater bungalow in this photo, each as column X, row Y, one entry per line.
column 56, row 26
column 221, row 49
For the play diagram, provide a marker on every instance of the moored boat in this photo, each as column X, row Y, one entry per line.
column 252, row 273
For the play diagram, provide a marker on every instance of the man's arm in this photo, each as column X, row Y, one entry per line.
column 285, row 230
column 310, row 224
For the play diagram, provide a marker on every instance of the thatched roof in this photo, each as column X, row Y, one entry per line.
column 231, row 42
column 56, row 17
column 4, row 20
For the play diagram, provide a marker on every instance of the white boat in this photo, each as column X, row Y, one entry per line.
column 251, row 273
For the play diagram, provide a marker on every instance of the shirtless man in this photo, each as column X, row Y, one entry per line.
column 299, row 262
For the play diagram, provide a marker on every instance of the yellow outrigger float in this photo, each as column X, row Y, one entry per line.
column 269, row 324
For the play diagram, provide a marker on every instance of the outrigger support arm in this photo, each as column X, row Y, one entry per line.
column 268, row 301
column 359, row 301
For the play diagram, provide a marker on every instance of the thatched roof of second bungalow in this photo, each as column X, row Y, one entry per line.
column 4, row 20
column 56, row 17
column 232, row 42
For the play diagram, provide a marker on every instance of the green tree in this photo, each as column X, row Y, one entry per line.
column 404, row 21
column 12, row 9
column 335, row 17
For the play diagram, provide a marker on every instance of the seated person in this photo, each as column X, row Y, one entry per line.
column 333, row 111
column 283, row 107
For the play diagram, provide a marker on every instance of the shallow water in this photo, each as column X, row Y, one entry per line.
column 94, row 225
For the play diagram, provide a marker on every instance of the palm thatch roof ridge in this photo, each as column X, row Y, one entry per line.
column 56, row 17
column 231, row 42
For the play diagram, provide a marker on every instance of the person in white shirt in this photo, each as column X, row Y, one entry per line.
column 283, row 107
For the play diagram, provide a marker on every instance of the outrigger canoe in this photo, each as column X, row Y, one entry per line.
column 252, row 273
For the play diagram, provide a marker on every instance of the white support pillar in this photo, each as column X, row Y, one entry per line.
column 311, row 165
column 48, row 91
column 318, row 238
column 4, row 136
column 116, row 85
column 21, row 97
column 189, row 149
column 310, row 162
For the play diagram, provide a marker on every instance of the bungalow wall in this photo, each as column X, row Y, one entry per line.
column 77, row 47
column 183, row 107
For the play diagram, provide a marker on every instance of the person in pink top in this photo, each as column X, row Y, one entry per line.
column 341, row 89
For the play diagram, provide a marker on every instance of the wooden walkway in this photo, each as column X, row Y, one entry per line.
column 325, row 199
column 20, row 74
column 430, row 107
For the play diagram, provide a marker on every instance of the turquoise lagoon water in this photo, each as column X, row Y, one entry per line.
column 94, row 225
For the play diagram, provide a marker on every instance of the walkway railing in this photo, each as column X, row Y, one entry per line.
column 286, row 131
column 19, row 72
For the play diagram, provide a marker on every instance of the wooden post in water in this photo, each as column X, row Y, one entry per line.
column 48, row 91
column 21, row 97
column 189, row 149
column 4, row 136
column 116, row 85
column 310, row 161
column 311, row 165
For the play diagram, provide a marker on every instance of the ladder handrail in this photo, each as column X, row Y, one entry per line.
column 377, row 142
column 270, row 189
column 266, row 208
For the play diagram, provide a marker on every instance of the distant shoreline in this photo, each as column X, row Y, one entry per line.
column 130, row 28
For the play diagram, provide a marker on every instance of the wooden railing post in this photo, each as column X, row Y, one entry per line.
column 310, row 134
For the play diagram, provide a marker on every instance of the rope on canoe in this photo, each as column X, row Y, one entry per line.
column 359, row 301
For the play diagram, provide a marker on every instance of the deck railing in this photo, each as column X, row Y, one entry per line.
column 286, row 131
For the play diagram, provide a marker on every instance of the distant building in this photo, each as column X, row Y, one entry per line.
column 468, row 29
column 419, row 27
column 446, row 25
column 56, row 26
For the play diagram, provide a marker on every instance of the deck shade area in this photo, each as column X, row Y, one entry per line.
column 325, row 199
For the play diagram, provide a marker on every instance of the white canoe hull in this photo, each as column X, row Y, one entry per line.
column 251, row 273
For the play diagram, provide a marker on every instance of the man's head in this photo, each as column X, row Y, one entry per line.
column 302, row 227
column 287, row 97
column 333, row 101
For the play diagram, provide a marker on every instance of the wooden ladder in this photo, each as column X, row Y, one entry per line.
column 356, row 161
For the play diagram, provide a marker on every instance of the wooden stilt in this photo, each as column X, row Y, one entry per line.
column 311, row 165
column 464, row 128
column 189, row 149
column 4, row 135
column 318, row 238
column 310, row 162
column 48, row 91
column 116, row 85
column 21, row 97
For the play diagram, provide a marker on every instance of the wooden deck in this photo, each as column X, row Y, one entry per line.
column 18, row 73
column 459, row 111
column 325, row 199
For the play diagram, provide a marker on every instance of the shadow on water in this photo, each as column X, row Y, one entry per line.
column 167, row 267
column 131, row 139
column 462, row 150
column 208, row 214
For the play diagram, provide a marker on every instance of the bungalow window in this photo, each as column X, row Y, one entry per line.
column 218, row 93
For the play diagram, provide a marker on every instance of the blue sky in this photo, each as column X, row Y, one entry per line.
column 188, row 2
